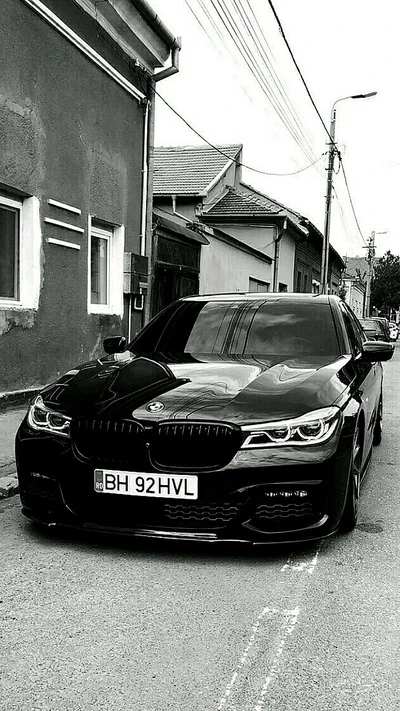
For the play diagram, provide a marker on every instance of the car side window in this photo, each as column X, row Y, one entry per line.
column 357, row 326
column 354, row 331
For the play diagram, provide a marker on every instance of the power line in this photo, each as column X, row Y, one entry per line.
column 281, row 30
column 349, row 233
column 234, row 31
column 350, row 198
column 219, row 35
column 244, row 165
column 258, row 36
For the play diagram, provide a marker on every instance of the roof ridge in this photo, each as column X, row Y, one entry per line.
column 239, row 146
column 236, row 197
column 277, row 202
column 253, row 198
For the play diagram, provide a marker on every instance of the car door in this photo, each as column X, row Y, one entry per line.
column 369, row 375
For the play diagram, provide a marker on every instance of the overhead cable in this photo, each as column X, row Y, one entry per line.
column 219, row 35
column 349, row 233
column 244, row 165
column 350, row 198
column 236, row 35
column 281, row 30
column 259, row 39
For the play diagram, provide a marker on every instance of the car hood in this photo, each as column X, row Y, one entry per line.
column 231, row 389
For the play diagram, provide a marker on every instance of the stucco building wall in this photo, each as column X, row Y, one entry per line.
column 68, row 133
column 224, row 268
column 355, row 295
column 262, row 238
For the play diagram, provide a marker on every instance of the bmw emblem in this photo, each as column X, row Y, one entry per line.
column 155, row 407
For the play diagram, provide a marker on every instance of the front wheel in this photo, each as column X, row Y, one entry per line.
column 350, row 511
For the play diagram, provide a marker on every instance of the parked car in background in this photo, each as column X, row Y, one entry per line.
column 393, row 331
column 235, row 417
column 373, row 329
column 385, row 324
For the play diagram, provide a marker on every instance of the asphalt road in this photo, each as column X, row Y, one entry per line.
column 89, row 623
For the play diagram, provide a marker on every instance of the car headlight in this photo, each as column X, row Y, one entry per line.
column 313, row 428
column 42, row 418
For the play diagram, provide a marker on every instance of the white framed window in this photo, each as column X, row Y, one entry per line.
column 10, row 220
column 20, row 245
column 105, row 268
column 100, row 258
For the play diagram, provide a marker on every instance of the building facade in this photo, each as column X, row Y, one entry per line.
column 254, row 242
column 75, row 131
column 355, row 294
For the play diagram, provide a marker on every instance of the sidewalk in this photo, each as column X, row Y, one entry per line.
column 9, row 423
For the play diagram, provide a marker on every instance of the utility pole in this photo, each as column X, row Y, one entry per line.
column 328, row 200
column 370, row 260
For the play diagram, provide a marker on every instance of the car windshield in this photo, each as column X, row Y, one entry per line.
column 241, row 328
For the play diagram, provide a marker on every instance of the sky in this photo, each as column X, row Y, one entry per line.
column 342, row 48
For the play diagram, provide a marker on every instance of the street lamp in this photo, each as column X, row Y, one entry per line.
column 328, row 201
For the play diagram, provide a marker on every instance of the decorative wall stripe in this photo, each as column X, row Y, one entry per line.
column 85, row 48
column 64, row 224
column 61, row 243
column 63, row 206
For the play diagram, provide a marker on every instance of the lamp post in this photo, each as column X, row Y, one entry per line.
column 328, row 200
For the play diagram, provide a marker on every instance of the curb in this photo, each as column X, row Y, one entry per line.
column 17, row 398
column 8, row 486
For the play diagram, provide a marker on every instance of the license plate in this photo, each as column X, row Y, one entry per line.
column 161, row 486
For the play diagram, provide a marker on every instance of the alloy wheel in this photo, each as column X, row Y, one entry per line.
column 350, row 511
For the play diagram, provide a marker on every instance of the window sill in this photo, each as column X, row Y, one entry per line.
column 103, row 309
column 15, row 306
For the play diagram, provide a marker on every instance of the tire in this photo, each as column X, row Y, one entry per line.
column 377, row 438
column 350, row 511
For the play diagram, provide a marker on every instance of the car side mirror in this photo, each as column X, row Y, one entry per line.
column 114, row 344
column 374, row 351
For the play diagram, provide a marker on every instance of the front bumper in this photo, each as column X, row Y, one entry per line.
column 262, row 496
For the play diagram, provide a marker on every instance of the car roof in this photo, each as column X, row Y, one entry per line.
column 263, row 296
column 371, row 320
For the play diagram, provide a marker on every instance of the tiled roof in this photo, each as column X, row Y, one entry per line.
column 236, row 203
column 294, row 216
column 188, row 170
column 356, row 266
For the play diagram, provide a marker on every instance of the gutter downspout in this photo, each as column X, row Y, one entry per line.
column 149, row 203
column 145, row 177
column 174, row 68
column 277, row 241
column 176, row 45
column 174, row 211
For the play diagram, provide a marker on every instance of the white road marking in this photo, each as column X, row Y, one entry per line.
column 302, row 565
column 270, row 612
column 292, row 617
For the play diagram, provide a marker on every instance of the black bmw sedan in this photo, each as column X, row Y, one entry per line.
column 240, row 417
